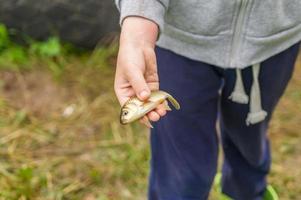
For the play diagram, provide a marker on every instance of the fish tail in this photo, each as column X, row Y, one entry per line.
column 173, row 101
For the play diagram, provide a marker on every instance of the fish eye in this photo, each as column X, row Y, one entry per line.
column 125, row 113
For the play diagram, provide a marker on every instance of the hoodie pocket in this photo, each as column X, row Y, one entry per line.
column 201, row 17
column 271, row 17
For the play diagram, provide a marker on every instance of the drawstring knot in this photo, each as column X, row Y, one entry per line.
column 239, row 94
column 256, row 113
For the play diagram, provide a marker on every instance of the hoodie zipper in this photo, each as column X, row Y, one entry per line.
column 238, row 31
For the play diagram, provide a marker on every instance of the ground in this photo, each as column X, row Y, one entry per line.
column 60, row 136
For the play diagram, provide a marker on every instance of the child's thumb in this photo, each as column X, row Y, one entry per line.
column 139, row 85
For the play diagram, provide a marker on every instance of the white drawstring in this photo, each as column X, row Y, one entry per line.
column 256, row 114
column 239, row 94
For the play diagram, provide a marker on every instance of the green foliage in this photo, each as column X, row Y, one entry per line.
column 51, row 52
column 14, row 56
column 9, row 52
column 49, row 48
column 4, row 38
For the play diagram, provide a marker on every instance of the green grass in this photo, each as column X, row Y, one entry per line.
column 60, row 136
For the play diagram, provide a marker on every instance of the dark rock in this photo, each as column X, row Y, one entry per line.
column 83, row 23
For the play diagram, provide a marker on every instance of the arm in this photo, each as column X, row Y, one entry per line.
column 136, row 72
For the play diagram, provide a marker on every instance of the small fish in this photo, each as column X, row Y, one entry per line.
column 134, row 109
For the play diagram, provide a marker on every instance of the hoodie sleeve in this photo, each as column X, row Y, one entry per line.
column 151, row 9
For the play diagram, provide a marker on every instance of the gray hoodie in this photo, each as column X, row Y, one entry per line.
column 226, row 33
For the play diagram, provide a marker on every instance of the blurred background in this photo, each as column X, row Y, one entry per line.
column 60, row 136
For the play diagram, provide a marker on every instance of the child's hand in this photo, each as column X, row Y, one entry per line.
column 136, row 72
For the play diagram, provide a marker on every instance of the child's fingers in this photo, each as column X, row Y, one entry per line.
column 153, row 116
column 161, row 110
column 145, row 121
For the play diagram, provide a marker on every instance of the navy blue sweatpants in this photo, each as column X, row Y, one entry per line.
column 184, row 143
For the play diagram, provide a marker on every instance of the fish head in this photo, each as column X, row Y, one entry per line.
column 129, row 113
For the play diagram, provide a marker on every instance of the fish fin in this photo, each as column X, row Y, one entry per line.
column 167, row 107
column 174, row 102
column 146, row 122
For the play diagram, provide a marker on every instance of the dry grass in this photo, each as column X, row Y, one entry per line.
column 285, row 134
column 60, row 139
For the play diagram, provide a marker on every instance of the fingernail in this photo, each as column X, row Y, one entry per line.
column 143, row 94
